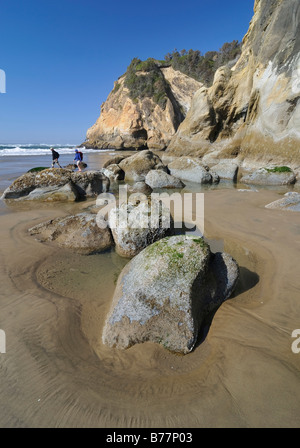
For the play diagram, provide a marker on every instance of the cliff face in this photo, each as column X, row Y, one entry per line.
column 253, row 109
column 143, row 122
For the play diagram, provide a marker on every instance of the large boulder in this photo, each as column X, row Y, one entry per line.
column 66, row 193
column 137, row 166
column 132, row 228
column 73, row 166
column 115, row 160
column 290, row 202
column 161, row 179
column 226, row 170
column 80, row 233
column 270, row 176
column 28, row 182
column 164, row 294
column 90, row 183
column 57, row 185
column 114, row 172
column 191, row 170
column 139, row 187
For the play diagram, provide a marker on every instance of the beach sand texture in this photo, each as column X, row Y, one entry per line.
column 57, row 373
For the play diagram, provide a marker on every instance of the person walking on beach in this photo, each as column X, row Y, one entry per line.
column 55, row 157
column 78, row 159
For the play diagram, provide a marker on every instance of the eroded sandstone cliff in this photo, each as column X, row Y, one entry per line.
column 252, row 110
column 144, row 121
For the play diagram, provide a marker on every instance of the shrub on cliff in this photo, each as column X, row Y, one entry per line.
column 144, row 79
column 203, row 67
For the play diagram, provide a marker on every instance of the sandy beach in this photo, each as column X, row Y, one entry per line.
column 57, row 373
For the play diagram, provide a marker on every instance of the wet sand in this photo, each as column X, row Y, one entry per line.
column 57, row 373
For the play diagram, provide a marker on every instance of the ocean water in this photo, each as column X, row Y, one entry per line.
column 17, row 159
column 38, row 149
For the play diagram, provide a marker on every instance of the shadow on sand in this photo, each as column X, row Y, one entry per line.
column 247, row 280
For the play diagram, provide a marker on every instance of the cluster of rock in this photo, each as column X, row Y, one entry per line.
column 52, row 185
column 167, row 290
column 89, row 232
column 174, row 172
column 270, row 176
column 171, row 284
column 80, row 233
column 251, row 111
column 128, row 229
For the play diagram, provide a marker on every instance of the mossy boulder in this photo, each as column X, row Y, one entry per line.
column 280, row 175
column 40, row 185
column 165, row 293
column 36, row 169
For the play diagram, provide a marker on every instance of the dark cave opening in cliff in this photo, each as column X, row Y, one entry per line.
column 141, row 133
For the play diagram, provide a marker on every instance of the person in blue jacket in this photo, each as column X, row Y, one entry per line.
column 78, row 159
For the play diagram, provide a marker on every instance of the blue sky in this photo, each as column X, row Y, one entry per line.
column 61, row 57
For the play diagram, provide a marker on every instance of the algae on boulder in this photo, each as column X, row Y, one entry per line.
column 57, row 185
column 164, row 294
column 270, row 176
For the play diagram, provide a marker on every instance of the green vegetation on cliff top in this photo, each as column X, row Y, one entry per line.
column 203, row 67
column 144, row 79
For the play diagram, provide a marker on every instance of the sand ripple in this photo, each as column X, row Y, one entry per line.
column 57, row 373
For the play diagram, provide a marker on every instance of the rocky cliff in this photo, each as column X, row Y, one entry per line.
column 252, row 110
column 144, row 109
